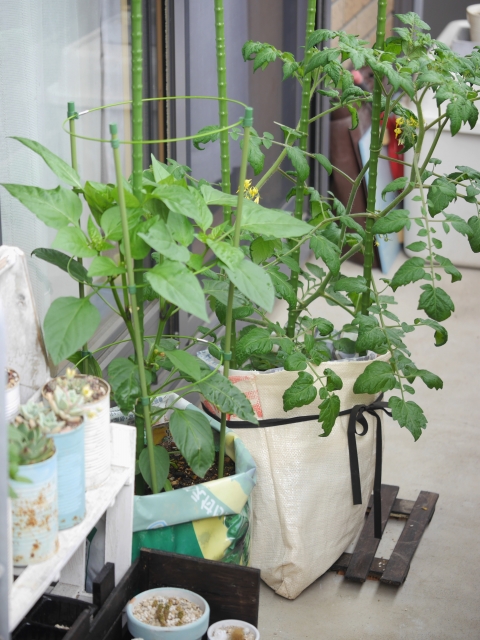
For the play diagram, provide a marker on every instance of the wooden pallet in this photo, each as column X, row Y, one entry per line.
column 362, row 563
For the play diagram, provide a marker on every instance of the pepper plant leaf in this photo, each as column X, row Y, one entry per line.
column 254, row 283
column 70, row 323
column 193, row 435
column 74, row 241
column 162, row 465
column 271, row 222
column 105, row 266
column 159, row 238
column 57, row 208
column 185, row 362
column 59, row 167
column 64, row 262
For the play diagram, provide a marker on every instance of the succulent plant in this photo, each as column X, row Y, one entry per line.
column 27, row 446
column 63, row 409
column 66, row 405
column 71, row 381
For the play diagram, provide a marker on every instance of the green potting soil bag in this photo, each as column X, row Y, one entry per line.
column 210, row 520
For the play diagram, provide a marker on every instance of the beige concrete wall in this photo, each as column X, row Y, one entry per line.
column 359, row 17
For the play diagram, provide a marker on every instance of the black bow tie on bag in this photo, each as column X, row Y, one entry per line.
column 356, row 415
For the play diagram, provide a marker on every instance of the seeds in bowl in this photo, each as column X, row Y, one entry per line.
column 233, row 633
column 158, row 611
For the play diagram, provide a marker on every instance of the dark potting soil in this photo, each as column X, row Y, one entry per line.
column 182, row 476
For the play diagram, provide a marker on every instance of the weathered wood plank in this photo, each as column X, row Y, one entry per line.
column 230, row 590
column 367, row 544
column 103, row 585
column 401, row 508
column 399, row 564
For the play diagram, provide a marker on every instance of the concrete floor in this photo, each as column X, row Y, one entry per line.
column 441, row 597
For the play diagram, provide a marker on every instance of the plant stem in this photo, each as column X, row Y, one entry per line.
column 302, row 143
column 222, row 103
column 248, row 121
column 73, row 154
column 138, row 337
column 375, row 148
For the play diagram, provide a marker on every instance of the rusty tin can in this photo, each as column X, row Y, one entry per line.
column 35, row 513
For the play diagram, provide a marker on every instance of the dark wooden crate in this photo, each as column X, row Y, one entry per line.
column 230, row 590
column 362, row 563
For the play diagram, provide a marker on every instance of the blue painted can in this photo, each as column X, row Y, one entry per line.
column 70, row 447
column 34, row 513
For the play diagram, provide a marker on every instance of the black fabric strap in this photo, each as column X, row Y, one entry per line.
column 356, row 414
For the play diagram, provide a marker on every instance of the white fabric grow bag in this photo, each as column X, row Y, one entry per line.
column 304, row 516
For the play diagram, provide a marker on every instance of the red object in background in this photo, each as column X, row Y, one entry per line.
column 393, row 148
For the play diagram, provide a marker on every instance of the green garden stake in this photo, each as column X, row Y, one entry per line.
column 222, row 103
column 247, row 123
column 137, row 334
column 73, row 115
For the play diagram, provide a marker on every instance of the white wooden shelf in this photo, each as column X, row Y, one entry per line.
column 115, row 498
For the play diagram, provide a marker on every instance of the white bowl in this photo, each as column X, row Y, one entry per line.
column 192, row 631
column 232, row 623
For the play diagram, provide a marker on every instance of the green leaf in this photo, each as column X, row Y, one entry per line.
column 180, row 200
column 125, row 382
column 354, row 114
column 256, row 158
column 395, row 221
column 440, row 194
column 317, row 271
column 111, row 221
column 474, row 238
column 411, row 18
column 325, row 162
column 377, row 377
column 264, row 57
column 254, row 283
column 181, row 229
column 320, row 35
column 92, row 366
column 301, row 393
column 219, row 290
column 261, row 250
column 328, row 251
column 162, row 465
column 214, row 196
column 66, row 263
column 441, row 334
column 74, row 241
column 206, row 134
column 230, row 256
column 283, row 288
column 256, row 342
column 334, row 382
column 70, row 323
column 410, row 271
column 417, row 246
column 448, row 267
column 99, row 198
column 55, row 207
column 460, row 225
column 329, row 410
column 59, row 167
column 223, row 394
column 138, row 247
column 193, row 435
column 299, row 161
column 105, row 266
column 396, row 185
column 271, row 222
column 371, row 336
column 295, row 362
column 185, row 362
column 159, row 238
column 205, row 217
column 351, row 285
column 430, row 379
column 174, row 282
column 436, row 303
column 408, row 414
column 345, row 345
column 160, row 171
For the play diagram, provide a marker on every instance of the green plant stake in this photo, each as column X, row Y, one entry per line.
column 222, row 103
column 375, row 148
column 299, row 193
column 72, row 114
column 247, row 123
column 137, row 333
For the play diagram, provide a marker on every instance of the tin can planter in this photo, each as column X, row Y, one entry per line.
column 96, row 421
column 12, row 395
column 190, row 631
column 35, row 513
column 70, row 446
